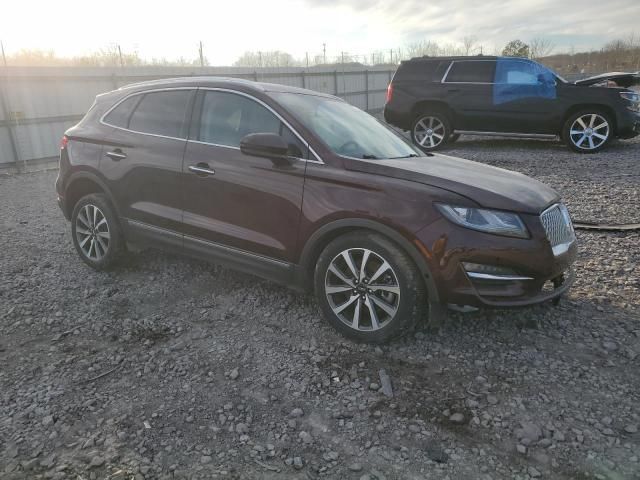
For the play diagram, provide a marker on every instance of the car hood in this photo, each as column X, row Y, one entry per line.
column 622, row 79
column 490, row 187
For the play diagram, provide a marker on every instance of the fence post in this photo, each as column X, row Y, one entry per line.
column 335, row 82
column 4, row 85
column 303, row 77
column 366, row 87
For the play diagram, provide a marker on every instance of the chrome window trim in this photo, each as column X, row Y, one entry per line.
column 444, row 79
column 143, row 92
column 447, row 72
column 318, row 159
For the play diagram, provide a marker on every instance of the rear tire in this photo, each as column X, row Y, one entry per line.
column 374, row 303
column 587, row 131
column 431, row 130
column 96, row 232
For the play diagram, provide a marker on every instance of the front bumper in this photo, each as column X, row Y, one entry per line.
column 628, row 124
column 542, row 275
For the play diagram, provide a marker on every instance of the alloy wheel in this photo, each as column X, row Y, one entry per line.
column 92, row 232
column 362, row 289
column 589, row 131
column 429, row 132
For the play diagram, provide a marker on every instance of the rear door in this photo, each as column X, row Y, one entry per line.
column 469, row 92
column 143, row 159
column 249, row 205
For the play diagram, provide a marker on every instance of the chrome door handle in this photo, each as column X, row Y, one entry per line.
column 116, row 154
column 201, row 169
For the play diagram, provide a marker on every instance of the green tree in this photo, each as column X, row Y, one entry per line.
column 516, row 48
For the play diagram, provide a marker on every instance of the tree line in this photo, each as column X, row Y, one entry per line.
column 621, row 54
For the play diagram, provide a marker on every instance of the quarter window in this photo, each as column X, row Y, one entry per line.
column 472, row 71
column 162, row 113
column 227, row 117
column 119, row 116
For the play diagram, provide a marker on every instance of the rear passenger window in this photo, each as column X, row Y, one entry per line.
column 476, row 71
column 119, row 116
column 162, row 113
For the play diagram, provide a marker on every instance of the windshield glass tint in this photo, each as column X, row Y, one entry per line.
column 345, row 129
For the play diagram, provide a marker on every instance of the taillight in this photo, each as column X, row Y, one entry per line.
column 63, row 142
column 389, row 92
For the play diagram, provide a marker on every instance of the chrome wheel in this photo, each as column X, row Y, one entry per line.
column 362, row 289
column 429, row 132
column 92, row 232
column 589, row 131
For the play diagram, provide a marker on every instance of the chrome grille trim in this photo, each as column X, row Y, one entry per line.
column 558, row 227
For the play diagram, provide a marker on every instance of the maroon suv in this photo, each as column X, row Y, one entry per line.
column 305, row 189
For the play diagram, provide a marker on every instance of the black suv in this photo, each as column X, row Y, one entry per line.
column 439, row 98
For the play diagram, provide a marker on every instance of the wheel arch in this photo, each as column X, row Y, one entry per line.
column 81, row 184
column 328, row 232
column 424, row 105
column 587, row 106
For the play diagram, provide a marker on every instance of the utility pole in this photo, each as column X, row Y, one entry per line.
column 260, row 59
column 4, row 58
column 324, row 53
column 306, row 54
column 120, row 55
column 200, row 52
column 391, row 56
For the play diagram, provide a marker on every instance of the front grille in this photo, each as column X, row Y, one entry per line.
column 557, row 224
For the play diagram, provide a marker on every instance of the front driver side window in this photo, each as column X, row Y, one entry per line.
column 227, row 117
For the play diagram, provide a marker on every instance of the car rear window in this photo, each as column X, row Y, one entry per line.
column 162, row 113
column 420, row 70
column 476, row 71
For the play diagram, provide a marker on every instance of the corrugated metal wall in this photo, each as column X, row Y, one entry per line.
column 37, row 104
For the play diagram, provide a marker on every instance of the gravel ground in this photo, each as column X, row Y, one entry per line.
column 170, row 368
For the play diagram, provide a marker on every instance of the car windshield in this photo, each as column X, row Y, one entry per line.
column 345, row 129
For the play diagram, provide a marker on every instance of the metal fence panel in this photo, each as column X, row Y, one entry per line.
column 42, row 102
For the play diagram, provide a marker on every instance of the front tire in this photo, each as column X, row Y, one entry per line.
column 588, row 131
column 368, row 288
column 430, row 130
column 95, row 231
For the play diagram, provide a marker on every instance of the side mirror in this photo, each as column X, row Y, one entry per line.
column 268, row 145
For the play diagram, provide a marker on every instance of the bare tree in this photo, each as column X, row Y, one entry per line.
column 469, row 42
column 540, row 47
column 275, row 58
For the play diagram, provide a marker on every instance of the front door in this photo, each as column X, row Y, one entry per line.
column 249, row 205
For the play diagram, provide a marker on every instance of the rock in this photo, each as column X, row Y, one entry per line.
column 355, row 467
column 242, row 428
column 558, row 436
column 305, row 437
column 533, row 472
column 205, row 459
column 529, row 432
column 492, row 400
column 436, row 453
column 96, row 461
column 234, row 374
column 374, row 386
column 297, row 463
column 631, row 429
column 296, row 412
column 457, row 418
column 48, row 420
column 521, row 449
column 385, row 381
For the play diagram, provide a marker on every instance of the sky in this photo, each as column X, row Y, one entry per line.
column 229, row 28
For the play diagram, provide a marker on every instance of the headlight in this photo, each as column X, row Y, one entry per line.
column 490, row 221
column 633, row 98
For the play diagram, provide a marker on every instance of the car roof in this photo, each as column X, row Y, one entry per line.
column 220, row 82
column 427, row 58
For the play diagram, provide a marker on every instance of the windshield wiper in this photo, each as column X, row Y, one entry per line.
column 406, row 156
column 368, row 156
